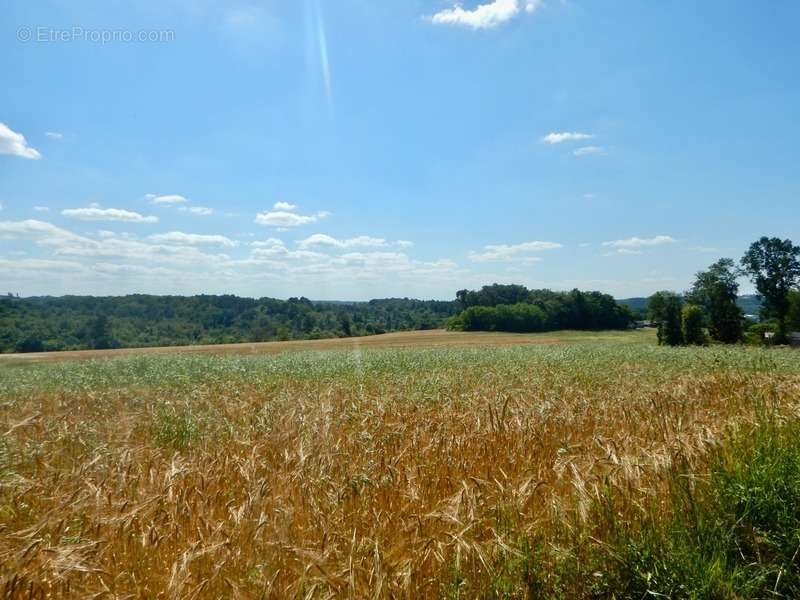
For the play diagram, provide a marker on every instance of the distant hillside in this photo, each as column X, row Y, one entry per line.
column 749, row 303
column 87, row 322
column 635, row 304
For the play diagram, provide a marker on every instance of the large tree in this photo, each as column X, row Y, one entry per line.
column 665, row 307
column 774, row 266
column 692, row 325
column 794, row 311
column 716, row 290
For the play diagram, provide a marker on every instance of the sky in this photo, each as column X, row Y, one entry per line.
column 354, row 149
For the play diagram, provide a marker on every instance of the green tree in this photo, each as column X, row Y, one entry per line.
column 692, row 325
column 793, row 318
column 774, row 266
column 717, row 290
column 99, row 335
column 29, row 345
column 665, row 307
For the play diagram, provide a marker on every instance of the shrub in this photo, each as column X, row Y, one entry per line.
column 692, row 325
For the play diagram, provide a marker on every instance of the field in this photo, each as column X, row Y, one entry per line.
column 426, row 465
column 413, row 339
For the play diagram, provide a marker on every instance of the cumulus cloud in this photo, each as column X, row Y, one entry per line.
column 637, row 242
column 284, row 215
column 484, row 16
column 565, row 136
column 179, row 262
column 107, row 214
column 192, row 239
column 202, row 211
column 166, row 199
column 513, row 253
column 14, row 143
column 624, row 252
column 320, row 239
column 589, row 151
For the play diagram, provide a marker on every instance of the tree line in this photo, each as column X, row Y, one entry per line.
column 84, row 322
column 709, row 311
column 515, row 308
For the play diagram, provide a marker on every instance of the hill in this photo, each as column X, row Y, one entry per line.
column 86, row 322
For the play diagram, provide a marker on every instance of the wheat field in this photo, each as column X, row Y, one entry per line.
column 429, row 472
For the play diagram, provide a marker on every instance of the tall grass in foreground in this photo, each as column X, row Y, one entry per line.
column 594, row 470
column 733, row 532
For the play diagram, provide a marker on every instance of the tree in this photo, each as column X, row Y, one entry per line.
column 717, row 290
column 692, row 325
column 793, row 318
column 29, row 345
column 774, row 267
column 665, row 307
column 99, row 336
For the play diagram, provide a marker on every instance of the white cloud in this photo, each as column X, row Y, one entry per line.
column 202, row 211
column 192, row 239
column 268, row 243
column 31, row 265
column 405, row 244
column 512, row 253
column 589, row 151
column 41, row 208
column 109, row 262
column 166, row 199
column 363, row 241
column 107, row 214
column 565, row 136
column 637, row 242
column 284, row 206
column 284, row 218
column 54, row 135
column 14, row 143
column 484, row 16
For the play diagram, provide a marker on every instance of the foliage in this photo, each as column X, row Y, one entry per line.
column 665, row 308
column 492, row 309
column 692, row 325
column 77, row 322
column 735, row 536
column 717, row 290
column 774, row 266
column 793, row 317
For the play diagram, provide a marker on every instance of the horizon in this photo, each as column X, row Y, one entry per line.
column 345, row 149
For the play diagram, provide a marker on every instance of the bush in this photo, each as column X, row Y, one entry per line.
column 692, row 325
column 30, row 345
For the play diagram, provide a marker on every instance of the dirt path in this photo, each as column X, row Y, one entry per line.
column 417, row 339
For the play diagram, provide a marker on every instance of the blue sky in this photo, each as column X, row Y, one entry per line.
column 352, row 149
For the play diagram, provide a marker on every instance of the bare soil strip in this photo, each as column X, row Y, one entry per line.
column 417, row 339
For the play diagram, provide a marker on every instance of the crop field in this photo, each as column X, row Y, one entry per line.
column 440, row 470
column 413, row 339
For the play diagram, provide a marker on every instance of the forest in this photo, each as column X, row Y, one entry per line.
column 40, row 324
column 515, row 308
